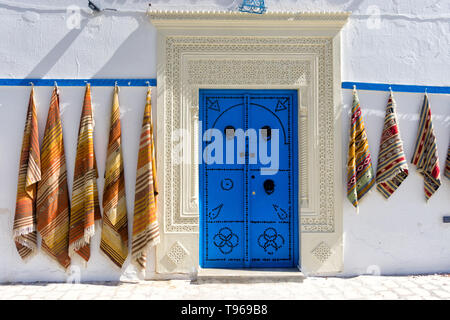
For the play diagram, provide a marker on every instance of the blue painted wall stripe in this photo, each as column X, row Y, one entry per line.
column 79, row 82
column 395, row 87
column 143, row 83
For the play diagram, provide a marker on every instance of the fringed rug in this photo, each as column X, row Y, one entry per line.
column 24, row 228
column 145, row 224
column 425, row 152
column 53, row 209
column 360, row 175
column 85, row 203
column 114, row 242
column 392, row 167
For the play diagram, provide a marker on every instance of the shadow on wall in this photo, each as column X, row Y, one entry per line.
column 127, row 61
column 349, row 5
column 134, row 58
column 47, row 63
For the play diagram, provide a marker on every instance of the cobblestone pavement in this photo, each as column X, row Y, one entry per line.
column 366, row 287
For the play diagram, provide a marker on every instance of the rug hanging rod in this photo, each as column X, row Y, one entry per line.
column 395, row 87
column 79, row 82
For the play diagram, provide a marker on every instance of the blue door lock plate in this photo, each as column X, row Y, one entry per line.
column 447, row 219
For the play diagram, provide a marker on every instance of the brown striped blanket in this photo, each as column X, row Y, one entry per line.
column 53, row 209
column 85, row 203
column 145, row 224
column 24, row 228
column 114, row 241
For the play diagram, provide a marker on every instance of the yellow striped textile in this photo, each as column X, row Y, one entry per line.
column 145, row 224
column 114, row 242
column 392, row 167
column 360, row 175
column 53, row 209
column 425, row 152
column 24, row 228
column 85, row 204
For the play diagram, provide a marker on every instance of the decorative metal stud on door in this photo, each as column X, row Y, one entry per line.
column 248, row 179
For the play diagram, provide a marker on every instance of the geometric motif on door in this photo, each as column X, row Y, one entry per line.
column 226, row 240
column 215, row 212
column 227, row 184
column 270, row 241
column 280, row 212
column 213, row 104
column 281, row 105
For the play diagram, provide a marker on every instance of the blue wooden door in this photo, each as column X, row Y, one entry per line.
column 248, row 179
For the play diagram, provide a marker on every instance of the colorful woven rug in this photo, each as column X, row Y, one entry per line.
column 425, row 152
column 360, row 175
column 53, row 208
column 447, row 164
column 392, row 167
column 145, row 224
column 85, row 204
column 24, row 228
column 114, row 242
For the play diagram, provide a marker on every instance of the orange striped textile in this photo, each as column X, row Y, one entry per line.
column 360, row 174
column 425, row 152
column 24, row 228
column 114, row 241
column 85, row 203
column 145, row 224
column 53, row 208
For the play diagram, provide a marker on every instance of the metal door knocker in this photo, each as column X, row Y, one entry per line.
column 269, row 186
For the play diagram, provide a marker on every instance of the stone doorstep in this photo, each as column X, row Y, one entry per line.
column 249, row 275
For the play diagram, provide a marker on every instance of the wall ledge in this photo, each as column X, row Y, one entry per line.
column 162, row 18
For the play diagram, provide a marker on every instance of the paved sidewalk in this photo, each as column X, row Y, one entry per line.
column 367, row 287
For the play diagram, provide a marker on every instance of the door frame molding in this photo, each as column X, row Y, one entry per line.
column 223, row 50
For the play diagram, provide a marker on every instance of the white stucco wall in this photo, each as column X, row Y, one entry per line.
column 408, row 45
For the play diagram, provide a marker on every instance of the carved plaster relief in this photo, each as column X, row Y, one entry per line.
column 277, row 51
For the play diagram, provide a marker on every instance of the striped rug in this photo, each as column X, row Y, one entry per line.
column 53, row 208
column 145, row 224
column 392, row 166
column 360, row 175
column 447, row 164
column 24, row 228
column 114, row 242
column 85, row 204
column 425, row 152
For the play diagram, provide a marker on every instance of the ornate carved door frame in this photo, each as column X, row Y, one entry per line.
column 221, row 50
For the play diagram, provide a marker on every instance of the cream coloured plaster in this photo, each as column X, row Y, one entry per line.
column 233, row 50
